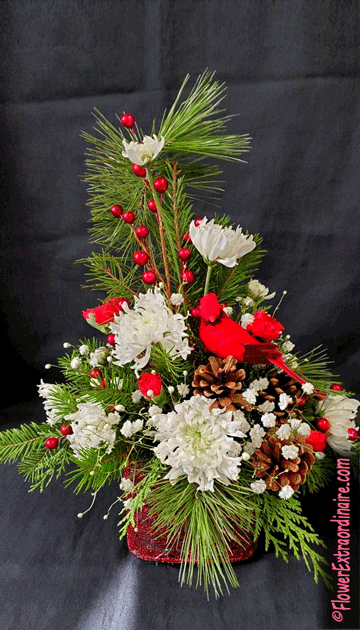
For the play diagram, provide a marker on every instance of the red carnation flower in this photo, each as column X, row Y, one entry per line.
column 318, row 440
column 150, row 383
column 265, row 326
column 105, row 313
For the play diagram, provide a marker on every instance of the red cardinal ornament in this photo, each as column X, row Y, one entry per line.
column 223, row 337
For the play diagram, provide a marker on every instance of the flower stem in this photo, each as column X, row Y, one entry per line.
column 207, row 280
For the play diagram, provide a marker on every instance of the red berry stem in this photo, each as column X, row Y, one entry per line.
column 167, row 284
column 147, row 251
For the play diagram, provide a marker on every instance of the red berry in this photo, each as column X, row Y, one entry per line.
column 187, row 277
column 128, row 121
column 140, row 257
column 142, row 231
column 52, row 443
column 95, row 373
column 336, row 387
column 186, row 237
column 152, row 205
column 184, row 254
column 111, row 339
column 129, row 217
column 138, row 170
column 149, row 277
column 323, row 424
column 160, row 185
column 198, row 221
column 66, row 429
column 353, row 434
column 318, row 440
column 116, row 211
column 195, row 312
column 302, row 401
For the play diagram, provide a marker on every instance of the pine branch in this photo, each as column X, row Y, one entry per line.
column 40, row 468
column 24, row 440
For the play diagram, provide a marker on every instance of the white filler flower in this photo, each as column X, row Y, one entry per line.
column 198, row 443
column 259, row 291
column 221, row 244
column 149, row 321
column 91, row 427
column 340, row 411
column 142, row 152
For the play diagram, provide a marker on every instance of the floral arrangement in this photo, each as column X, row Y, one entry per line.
column 191, row 396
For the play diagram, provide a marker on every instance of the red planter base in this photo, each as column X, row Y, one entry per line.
column 151, row 547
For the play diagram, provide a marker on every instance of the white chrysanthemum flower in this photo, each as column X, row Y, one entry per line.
column 288, row 346
column 75, row 363
column 250, row 395
column 97, row 357
column 246, row 319
column 304, row 429
column 221, row 244
column 284, row 401
column 84, row 349
column 286, row 492
column 176, row 299
column 257, row 435
column 290, row 451
column 307, row 388
column 259, row 290
column 149, row 321
column 260, row 384
column 126, row 484
column 267, row 406
column 91, row 427
column 284, row 432
column 341, row 412
column 183, row 389
column 268, row 420
column 258, row 486
column 198, row 443
column 143, row 152
column 45, row 390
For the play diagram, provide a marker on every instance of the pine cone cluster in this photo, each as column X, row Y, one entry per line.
column 281, row 383
column 271, row 465
column 221, row 379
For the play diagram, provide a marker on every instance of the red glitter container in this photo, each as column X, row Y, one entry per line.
column 154, row 547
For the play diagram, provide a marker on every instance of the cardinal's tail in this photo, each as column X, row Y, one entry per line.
column 281, row 364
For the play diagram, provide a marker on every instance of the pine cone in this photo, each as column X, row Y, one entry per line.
column 270, row 464
column 281, row 383
column 221, row 379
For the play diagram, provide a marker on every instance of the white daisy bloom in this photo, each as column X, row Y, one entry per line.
column 284, row 432
column 304, row 429
column 268, row 420
column 340, row 411
column 198, row 443
column 267, row 406
column 288, row 346
column 250, row 395
column 91, row 427
column 290, row 451
column 286, row 492
column 149, row 321
column 307, row 388
column 258, row 486
column 259, row 290
column 284, row 401
column 220, row 244
column 143, row 152
column 183, row 389
column 246, row 319
column 176, row 299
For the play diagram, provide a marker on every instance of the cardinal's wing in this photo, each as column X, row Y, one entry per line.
column 261, row 354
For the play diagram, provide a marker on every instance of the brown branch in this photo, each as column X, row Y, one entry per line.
column 111, row 275
column 176, row 172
